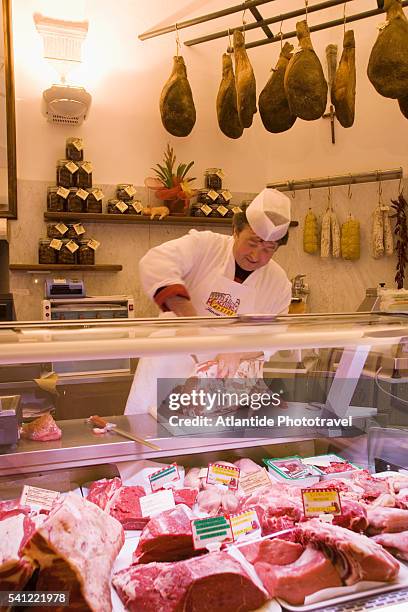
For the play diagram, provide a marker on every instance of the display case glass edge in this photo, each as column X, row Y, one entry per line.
column 11, row 211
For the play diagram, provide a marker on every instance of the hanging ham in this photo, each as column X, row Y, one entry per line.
column 245, row 82
column 343, row 92
column 177, row 108
column 227, row 112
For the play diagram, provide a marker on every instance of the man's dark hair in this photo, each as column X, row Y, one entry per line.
column 240, row 221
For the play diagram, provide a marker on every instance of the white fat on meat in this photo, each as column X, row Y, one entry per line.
column 192, row 479
column 386, row 520
column 395, row 543
column 247, row 466
column 15, row 530
column 209, row 500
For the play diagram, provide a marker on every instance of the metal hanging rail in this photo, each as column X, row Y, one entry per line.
column 238, row 8
column 321, row 26
column 340, row 179
column 265, row 22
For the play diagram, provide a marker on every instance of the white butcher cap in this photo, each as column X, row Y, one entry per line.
column 269, row 214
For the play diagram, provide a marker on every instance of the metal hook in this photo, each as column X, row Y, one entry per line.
column 329, row 193
column 400, row 185
column 177, row 39
column 243, row 23
column 229, row 50
column 291, row 188
column 349, row 191
column 379, row 186
column 306, row 7
column 280, row 33
column 310, row 187
column 344, row 18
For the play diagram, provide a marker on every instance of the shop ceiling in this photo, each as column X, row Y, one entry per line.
column 268, row 21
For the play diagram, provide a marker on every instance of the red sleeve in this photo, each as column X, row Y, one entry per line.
column 162, row 294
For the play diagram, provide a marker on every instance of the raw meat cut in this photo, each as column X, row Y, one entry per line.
column 185, row 496
column 273, row 103
column 166, row 537
column 244, row 81
column 395, row 543
column 177, row 110
column 209, row 500
column 121, row 502
column 353, row 516
column 15, row 531
column 305, row 85
column 247, row 466
column 388, row 63
column 227, row 112
column 192, row 478
column 42, row 429
column 386, row 520
column 214, row 582
column 12, row 507
column 343, row 91
column 311, row 572
column 275, row 510
column 355, row 556
column 372, row 487
column 274, row 552
column 75, row 549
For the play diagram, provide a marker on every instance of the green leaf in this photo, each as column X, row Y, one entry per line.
column 187, row 168
column 181, row 168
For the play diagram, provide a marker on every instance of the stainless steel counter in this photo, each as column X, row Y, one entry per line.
column 80, row 447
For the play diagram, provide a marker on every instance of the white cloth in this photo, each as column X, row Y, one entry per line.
column 204, row 263
column 269, row 214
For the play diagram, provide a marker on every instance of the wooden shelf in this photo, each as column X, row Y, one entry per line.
column 75, row 268
column 141, row 219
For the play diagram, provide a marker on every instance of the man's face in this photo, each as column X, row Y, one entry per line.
column 250, row 251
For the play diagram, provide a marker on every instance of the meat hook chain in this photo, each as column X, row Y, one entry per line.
column 178, row 44
column 349, row 190
column 344, row 18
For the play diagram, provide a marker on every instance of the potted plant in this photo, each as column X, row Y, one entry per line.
column 172, row 184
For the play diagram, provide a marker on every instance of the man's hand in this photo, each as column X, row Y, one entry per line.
column 228, row 363
column 181, row 306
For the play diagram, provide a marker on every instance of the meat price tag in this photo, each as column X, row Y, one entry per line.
column 255, row 480
column 164, row 476
column 38, row 499
column 321, row 501
column 211, row 532
column 203, row 473
column 225, row 475
column 154, row 503
column 245, row 524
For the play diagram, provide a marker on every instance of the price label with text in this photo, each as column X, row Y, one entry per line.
column 154, row 503
column 245, row 524
column 37, row 498
column 225, row 475
column 210, row 532
column 256, row 480
column 164, row 476
column 321, row 501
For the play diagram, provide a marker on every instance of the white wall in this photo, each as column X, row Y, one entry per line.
column 124, row 135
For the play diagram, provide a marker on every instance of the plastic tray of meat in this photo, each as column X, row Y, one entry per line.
column 331, row 466
column 330, row 597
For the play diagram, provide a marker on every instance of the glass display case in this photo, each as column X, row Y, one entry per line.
column 314, row 385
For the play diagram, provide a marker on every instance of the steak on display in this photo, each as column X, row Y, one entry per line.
column 121, row 502
column 15, row 531
column 395, row 543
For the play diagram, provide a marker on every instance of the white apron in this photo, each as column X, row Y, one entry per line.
column 216, row 295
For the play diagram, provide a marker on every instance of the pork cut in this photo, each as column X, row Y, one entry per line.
column 355, row 556
column 244, row 81
column 75, row 549
column 311, row 572
column 227, row 111
column 386, row 520
column 343, row 92
column 185, row 496
column 247, row 466
column 214, row 582
column 273, row 103
column 305, row 85
column 167, row 537
column 353, row 516
column 388, row 64
column 121, row 502
column 372, row 487
column 395, row 543
column 15, row 531
column 177, row 110
column 275, row 510
column 274, row 552
column 42, row 429
column 11, row 507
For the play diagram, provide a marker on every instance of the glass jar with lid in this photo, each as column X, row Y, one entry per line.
column 84, row 178
column 75, row 231
column 68, row 252
column 86, row 255
column 94, row 201
column 46, row 254
column 67, row 171
column 74, row 149
column 135, row 207
column 117, row 207
column 56, row 199
column 74, row 202
column 213, row 178
column 125, row 192
column 57, row 230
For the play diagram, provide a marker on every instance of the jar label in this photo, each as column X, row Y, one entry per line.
column 56, row 244
column 81, row 193
column 236, row 210
column 130, row 190
column 220, row 174
column 77, row 143
column 222, row 210
column 93, row 244
column 72, row 246
column 87, row 166
column 121, row 206
column 97, row 194
column 63, row 192
column 79, row 229
column 212, row 194
column 71, row 167
column 137, row 205
column 227, row 195
column 206, row 209
column 61, row 228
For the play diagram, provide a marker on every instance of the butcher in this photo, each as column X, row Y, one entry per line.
column 209, row 274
